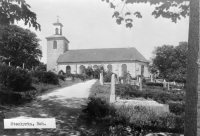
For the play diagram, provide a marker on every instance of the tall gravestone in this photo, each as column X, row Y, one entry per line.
column 168, row 86
column 140, row 82
column 128, row 78
column 151, row 78
column 101, row 78
column 112, row 89
column 164, row 84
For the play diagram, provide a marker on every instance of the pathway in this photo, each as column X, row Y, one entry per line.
column 64, row 104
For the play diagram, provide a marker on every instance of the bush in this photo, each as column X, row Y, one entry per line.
column 129, row 91
column 140, row 119
column 17, row 80
column 177, row 108
column 45, row 77
column 83, row 77
column 107, row 76
column 137, row 119
column 62, row 77
column 154, row 84
column 98, row 110
column 16, row 98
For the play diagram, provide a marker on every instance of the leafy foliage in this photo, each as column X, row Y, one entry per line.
column 170, row 9
column 154, row 84
column 107, row 76
column 41, row 67
column 171, row 61
column 45, row 77
column 19, row 46
column 16, row 10
column 89, row 72
column 16, row 80
column 15, row 98
column 128, row 120
column 177, row 108
column 159, row 95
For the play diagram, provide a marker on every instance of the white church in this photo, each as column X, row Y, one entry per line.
column 116, row 60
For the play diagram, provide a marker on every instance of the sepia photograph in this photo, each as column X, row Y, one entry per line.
column 99, row 68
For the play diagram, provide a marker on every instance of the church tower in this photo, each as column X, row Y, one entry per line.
column 56, row 46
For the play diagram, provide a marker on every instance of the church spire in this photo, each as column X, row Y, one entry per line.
column 58, row 27
column 57, row 19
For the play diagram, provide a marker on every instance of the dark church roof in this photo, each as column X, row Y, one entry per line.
column 101, row 55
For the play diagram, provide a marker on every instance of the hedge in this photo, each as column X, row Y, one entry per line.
column 17, row 80
column 105, row 116
column 154, row 84
column 177, row 108
column 45, row 77
column 16, row 98
column 130, row 91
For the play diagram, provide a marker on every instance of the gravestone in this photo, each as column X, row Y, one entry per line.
column 112, row 89
column 128, row 78
column 151, row 78
column 140, row 82
column 101, row 79
column 168, row 86
column 164, row 84
column 122, row 81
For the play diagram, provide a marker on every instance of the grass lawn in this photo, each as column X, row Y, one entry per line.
column 102, row 92
column 65, row 116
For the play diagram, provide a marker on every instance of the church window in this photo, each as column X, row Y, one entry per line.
column 109, row 68
column 54, row 44
column 81, row 69
column 124, row 69
column 56, row 30
column 142, row 69
column 68, row 70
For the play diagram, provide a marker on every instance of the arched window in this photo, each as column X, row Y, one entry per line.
column 95, row 67
column 109, row 68
column 68, row 70
column 124, row 69
column 54, row 44
column 56, row 30
column 142, row 69
column 81, row 69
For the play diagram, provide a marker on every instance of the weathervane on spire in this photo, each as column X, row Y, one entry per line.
column 58, row 19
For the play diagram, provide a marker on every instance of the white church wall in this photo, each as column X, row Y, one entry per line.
column 134, row 68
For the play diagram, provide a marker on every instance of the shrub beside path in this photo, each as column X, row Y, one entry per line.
column 64, row 104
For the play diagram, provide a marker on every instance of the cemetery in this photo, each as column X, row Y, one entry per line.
column 142, row 108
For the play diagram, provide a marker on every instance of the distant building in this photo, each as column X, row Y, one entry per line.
column 116, row 60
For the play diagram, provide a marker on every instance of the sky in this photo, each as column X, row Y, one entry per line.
column 89, row 24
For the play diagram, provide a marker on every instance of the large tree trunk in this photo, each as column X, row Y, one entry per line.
column 193, row 73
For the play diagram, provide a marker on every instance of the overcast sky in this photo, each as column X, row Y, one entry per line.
column 89, row 24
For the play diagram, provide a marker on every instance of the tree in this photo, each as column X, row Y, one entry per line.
column 19, row 46
column 193, row 59
column 16, row 10
column 171, row 61
column 41, row 67
column 164, row 8
column 89, row 71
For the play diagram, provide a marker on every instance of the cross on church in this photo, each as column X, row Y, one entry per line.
column 57, row 18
